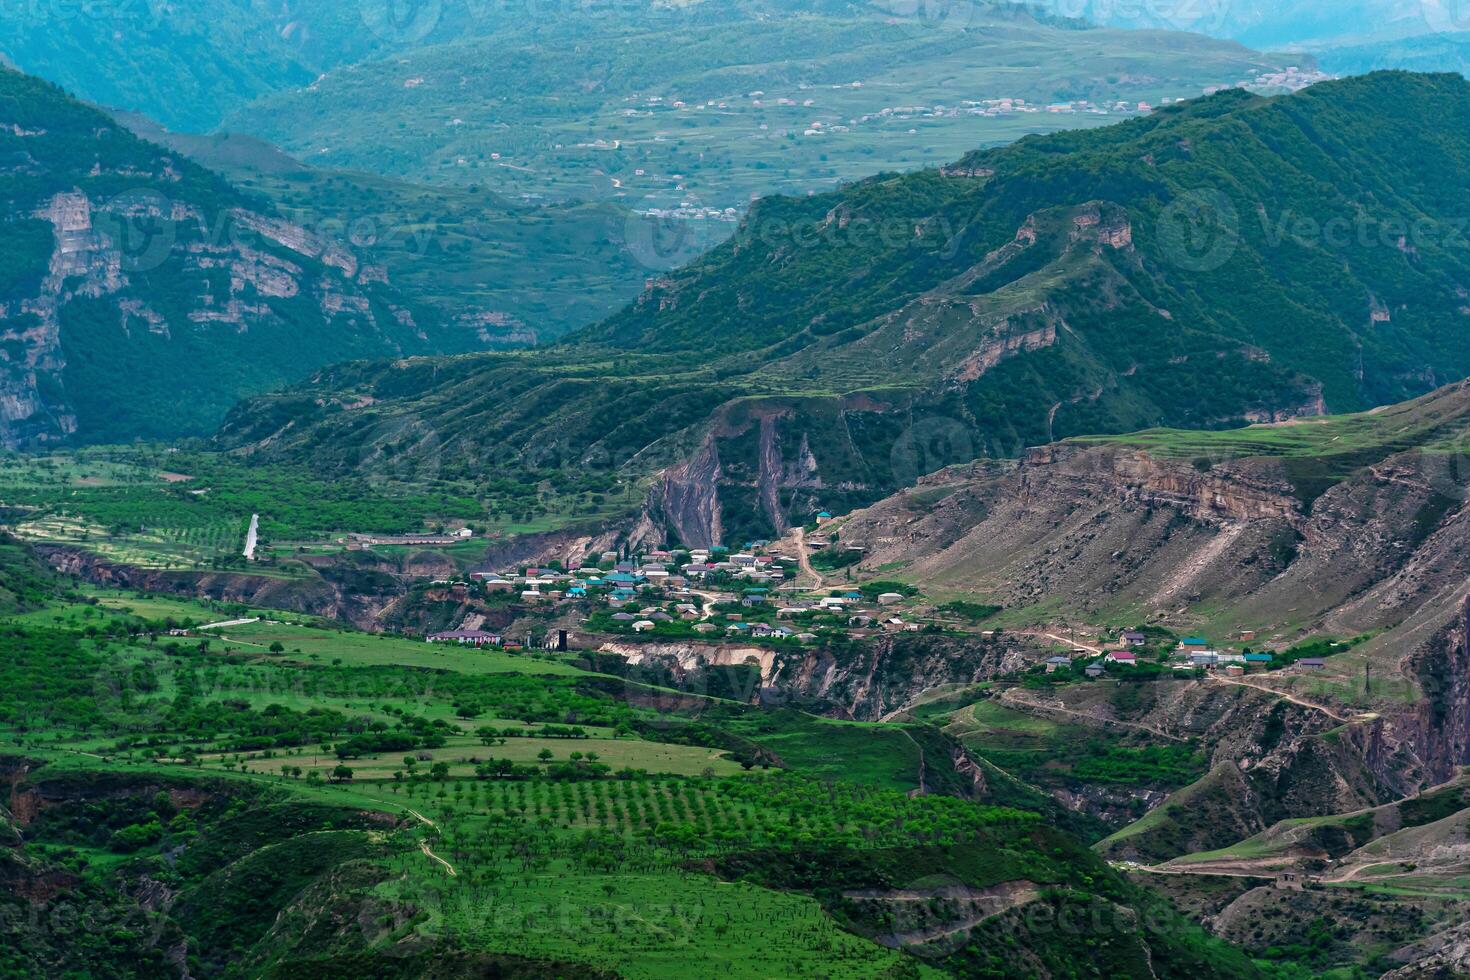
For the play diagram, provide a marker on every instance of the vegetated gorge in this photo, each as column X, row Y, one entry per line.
column 960, row 573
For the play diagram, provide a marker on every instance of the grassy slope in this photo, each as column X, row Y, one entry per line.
column 279, row 871
column 1338, row 835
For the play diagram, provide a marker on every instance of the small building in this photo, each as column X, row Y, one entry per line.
column 1126, row 657
column 643, row 625
column 1234, row 670
column 1133, row 638
column 823, row 518
column 1057, row 663
column 1311, row 663
column 1205, row 658
column 1258, row 659
column 1193, row 644
column 890, row 598
column 476, row 638
column 1093, row 670
column 1247, row 636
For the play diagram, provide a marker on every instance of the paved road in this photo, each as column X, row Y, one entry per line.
column 229, row 622
column 251, row 536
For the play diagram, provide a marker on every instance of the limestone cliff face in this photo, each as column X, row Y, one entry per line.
column 1438, row 726
column 1230, row 493
column 1108, row 528
column 229, row 274
column 872, row 683
column 883, row 677
column 688, row 498
column 335, row 592
column 142, row 295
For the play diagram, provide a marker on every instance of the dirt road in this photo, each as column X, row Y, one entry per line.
column 804, row 558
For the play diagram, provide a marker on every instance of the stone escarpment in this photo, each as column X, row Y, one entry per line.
column 868, row 682
column 881, row 678
column 143, row 271
column 358, row 591
column 142, row 295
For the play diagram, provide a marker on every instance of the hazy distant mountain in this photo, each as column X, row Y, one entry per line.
column 1267, row 24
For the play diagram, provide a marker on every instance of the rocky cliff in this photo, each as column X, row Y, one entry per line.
column 141, row 295
column 362, row 590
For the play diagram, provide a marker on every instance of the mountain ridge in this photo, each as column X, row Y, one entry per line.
column 854, row 341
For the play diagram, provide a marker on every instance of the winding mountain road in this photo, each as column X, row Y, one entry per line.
column 1314, row 706
column 1013, row 698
